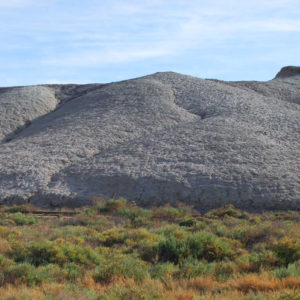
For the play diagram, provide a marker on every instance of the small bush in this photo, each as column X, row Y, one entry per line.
column 290, row 296
column 5, row 262
column 161, row 271
column 57, row 252
column 113, row 205
column 264, row 258
column 19, row 208
column 292, row 270
column 188, row 223
column 192, row 268
column 205, row 245
column 199, row 245
column 168, row 213
column 121, row 266
column 288, row 250
column 227, row 211
column 172, row 249
column 72, row 271
column 224, row 270
column 17, row 218
column 20, row 219
column 137, row 216
column 4, row 246
column 250, row 234
column 23, row 273
column 113, row 236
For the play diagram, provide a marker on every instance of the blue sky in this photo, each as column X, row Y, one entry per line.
column 64, row 41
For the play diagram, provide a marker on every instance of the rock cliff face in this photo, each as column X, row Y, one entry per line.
column 288, row 72
column 162, row 138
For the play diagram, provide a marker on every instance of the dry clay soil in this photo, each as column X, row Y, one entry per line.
column 157, row 139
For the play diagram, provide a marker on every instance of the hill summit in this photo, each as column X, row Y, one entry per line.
column 157, row 139
column 288, row 72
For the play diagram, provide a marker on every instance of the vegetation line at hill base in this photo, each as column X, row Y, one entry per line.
column 117, row 250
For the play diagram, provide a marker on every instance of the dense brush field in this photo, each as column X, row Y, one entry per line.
column 117, row 250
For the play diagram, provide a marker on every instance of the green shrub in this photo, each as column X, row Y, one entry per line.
column 227, row 211
column 127, row 291
column 192, row 268
column 128, row 240
column 57, row 252
column 199, row 245
column 113, row 205
column 288, row 250
column 161, row 271
column 257, row 297
column 263, row 258
column 137, row 216
column 218, row 228
column 290, row 295
column 173, row 230
column 250, row 234
column 205, row 245
column 17, row 218
column 72, row 271
column 40, row 253
column 16, row 208
column 281, row 273
column 113, row 236
column 199, row 225
column 224, row 270
column 23, row 273
column 52, row 273
column 5, row 263
column 21, row 219
column 121, row 266
column 172, row 250
column 149, row 251
column 187, row 222
column 168, row 213
column 290, row 270
column 69, row 252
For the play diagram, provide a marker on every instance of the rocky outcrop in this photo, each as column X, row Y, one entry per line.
column 288, row 72
column 162, row 138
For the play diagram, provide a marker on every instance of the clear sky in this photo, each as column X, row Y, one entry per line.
column 84, row 41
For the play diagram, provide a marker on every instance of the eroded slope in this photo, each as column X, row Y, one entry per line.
column 161, row 138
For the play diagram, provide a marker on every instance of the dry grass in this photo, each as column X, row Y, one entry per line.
column 291, row 283
column 198, row 288
column 202, row 284
column 254, row 282
column 4, row 246
column 262, row 283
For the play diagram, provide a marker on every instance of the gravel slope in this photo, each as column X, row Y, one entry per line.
column 158, row 139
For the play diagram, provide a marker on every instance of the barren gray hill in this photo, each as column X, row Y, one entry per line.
column 158, row 139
